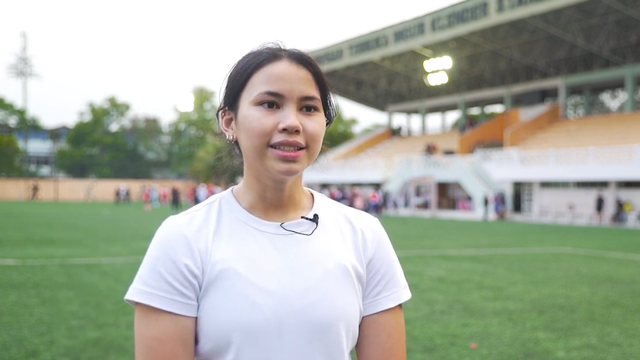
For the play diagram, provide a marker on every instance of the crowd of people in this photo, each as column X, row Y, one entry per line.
column 369, row 200
column 153, row 196
column 621, row 213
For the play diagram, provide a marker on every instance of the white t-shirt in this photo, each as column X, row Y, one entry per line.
column 261, row 292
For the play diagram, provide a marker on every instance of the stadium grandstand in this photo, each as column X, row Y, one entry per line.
column 564, row 75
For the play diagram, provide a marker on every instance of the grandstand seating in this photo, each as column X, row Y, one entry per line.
column 603, row 130
column 411, row 145
column 544, row 131
column 359, row 144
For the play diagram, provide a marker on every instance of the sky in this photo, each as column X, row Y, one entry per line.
column 150, row 54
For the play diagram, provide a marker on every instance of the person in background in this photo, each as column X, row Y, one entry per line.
column 485, row 215
column 202, row 193
column 176, row 205
column 599, row 207
column 34, row 191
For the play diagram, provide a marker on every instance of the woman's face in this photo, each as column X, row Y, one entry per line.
column 280, row 122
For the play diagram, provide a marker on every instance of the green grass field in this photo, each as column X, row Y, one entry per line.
column 519, row 291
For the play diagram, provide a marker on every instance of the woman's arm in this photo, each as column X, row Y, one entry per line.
column 161, row 335
column 382, row 336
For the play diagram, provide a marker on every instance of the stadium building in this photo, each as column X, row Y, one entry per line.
column 39, row 147
column 564, row 75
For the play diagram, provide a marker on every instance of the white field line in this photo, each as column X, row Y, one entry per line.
column 71, row 261
column 521, row 251
column 401, row 253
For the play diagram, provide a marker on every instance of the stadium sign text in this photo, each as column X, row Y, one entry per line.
column 369, row 45
column 330, row 56
column 459, row 17
column 436, row 25
column 506, row 5
column 409, row 32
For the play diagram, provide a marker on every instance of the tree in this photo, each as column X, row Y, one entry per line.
column 10, row 154
column 216, row 161
column 17, row 118
column 149, row 138
column 340, row 131
column 191, row 131
column 98, row 145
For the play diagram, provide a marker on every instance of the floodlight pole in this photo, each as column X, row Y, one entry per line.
column 22, row 69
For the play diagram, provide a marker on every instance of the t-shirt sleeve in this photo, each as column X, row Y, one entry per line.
column 385, row 284
column 170, row 275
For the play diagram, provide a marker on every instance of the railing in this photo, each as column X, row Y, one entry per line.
column 601, row 155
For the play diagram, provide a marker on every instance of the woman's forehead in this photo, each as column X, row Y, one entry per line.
column 282, row 77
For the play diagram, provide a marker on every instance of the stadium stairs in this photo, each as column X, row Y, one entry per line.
column 487, row 133
column 445, row 169
column 508, row 128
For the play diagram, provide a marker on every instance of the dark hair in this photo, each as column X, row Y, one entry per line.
column 267, row 54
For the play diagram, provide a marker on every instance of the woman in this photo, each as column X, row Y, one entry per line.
column 243, row 276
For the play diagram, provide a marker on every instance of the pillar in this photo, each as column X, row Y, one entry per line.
column 423, row 121
column 630, row 89
column 536, row 205
column 408, row 124
column 562, row 99
column 462, row 106
column 433, row 199
column 609, row 200
column 508, row 101
column 390, row 117
column 586, row 92
column 443, row 122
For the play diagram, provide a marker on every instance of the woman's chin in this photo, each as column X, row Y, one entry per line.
column 289, row 170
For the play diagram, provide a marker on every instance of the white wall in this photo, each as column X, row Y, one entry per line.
column 557, row 200
column 605, row 163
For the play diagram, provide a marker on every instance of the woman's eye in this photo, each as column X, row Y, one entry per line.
column 269, row 105
column 310, row 108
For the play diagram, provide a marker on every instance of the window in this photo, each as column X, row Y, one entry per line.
column 628, row 185
column 555, row 185
column 592, row 184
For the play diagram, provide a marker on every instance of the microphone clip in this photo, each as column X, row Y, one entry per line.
column 314, row 219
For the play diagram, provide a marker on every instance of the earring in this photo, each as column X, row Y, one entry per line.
column 231, row 138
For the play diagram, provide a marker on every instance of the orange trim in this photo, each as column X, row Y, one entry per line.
column 490, row 131
column 364, row 145
column 521, row 131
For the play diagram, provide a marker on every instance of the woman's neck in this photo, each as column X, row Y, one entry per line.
column 273, row 200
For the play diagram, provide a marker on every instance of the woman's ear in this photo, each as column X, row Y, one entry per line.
column 227, row 122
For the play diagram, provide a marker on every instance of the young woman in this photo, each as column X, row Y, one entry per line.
column 269, row 269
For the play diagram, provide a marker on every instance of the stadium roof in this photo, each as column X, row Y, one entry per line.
column 494, row 44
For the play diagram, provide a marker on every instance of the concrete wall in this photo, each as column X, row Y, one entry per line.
column 19, row 189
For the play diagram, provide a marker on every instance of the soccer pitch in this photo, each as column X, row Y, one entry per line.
column 518, row 291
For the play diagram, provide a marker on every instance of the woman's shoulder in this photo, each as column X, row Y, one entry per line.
column 204, row 208
column 196, row 219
